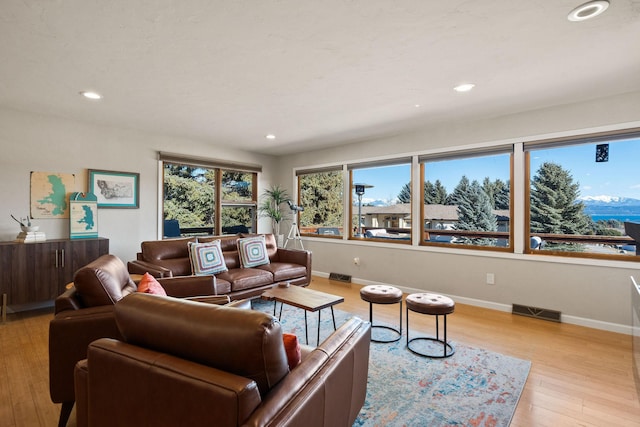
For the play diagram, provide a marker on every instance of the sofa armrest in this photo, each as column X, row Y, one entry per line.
column 189, row 286
column 140, row 267
column 331, row 380
column 296, row 256
column 70, row 333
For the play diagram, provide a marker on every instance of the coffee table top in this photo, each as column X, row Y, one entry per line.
column 300, row 297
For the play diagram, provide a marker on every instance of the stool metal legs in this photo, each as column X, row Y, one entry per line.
column 397, row 331
column 445, row 346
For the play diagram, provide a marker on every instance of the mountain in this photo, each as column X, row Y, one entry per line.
column 610, row 205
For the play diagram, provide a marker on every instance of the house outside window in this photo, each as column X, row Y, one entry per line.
column 580, row 193
column 379, row 201
column 466, row 199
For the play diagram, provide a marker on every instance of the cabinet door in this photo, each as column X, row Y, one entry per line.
column 31, row 272
column 75, row 254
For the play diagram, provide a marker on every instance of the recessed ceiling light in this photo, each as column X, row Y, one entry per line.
column 270, row 136
column 588, row 10
column 91, row 95
column 466, row 87
column 417, row 105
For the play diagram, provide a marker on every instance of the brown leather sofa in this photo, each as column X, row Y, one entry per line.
column 170, row 258
column 84, row 313
column 217, row 366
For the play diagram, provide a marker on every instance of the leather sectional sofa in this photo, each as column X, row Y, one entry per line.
column 170, row 258
column 199, row 371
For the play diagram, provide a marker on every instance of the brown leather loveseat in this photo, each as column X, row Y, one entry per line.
column 170, row 258
column 84, row 313
column 181, row 363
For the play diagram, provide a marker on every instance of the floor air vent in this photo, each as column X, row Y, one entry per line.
column 340, row 277
column 538, row 313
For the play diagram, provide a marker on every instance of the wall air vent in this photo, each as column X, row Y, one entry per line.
column 538, row 313
column 340, row 277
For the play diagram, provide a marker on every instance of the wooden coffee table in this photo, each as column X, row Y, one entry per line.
column 306, row 299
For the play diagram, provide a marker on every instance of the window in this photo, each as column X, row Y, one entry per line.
column 467, row 200
column 380, row 201
column 321, row 195
column 580, row 193
column 238, row 204
column 202, row 196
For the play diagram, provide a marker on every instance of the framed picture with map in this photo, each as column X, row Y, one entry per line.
column 83, row 216
column 115, row 189
column 50, row 194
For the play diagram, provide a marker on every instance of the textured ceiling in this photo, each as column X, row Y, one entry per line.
column 314, row 73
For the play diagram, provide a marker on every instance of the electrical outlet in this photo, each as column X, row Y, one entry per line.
column 491, row 279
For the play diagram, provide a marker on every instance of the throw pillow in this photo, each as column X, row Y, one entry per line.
column 206, row 258
column 149, row 285
column 253, row 251
column 292, row 348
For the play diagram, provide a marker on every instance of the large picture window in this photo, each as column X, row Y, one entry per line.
column 380, row 201
column 201, row 198
column 580, row 193
column 321, row 195
column 466, row 200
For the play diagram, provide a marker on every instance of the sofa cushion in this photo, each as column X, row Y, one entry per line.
column 206, row 258
column 149, row 285
column 284, row 270
column 247, row 343
column 253, row 251
column 246, row 278
column 104, row 281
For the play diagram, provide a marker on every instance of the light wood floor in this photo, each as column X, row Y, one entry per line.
column 579, row 376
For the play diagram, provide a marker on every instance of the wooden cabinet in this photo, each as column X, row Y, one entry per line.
column 35, row 272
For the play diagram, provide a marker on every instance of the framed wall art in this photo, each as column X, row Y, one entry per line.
column 115, row 189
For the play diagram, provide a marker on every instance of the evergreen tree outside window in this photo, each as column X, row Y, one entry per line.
column 321, row 195
column 467, row 199
column 205, row 199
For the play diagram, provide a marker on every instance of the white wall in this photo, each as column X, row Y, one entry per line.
column 31, row 142
column 591, row 292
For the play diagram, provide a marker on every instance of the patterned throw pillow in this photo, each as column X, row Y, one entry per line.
column 149, row 285
column 253, row 251
column 206, row 258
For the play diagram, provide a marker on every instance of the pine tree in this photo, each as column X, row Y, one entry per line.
column 404, row 196
column 461, row 188
column 554, row 202
column 321, row 197
column 434, row 194
column 498, row 192
column 475, row 212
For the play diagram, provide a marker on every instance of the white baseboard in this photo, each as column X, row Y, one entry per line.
column 573, row 320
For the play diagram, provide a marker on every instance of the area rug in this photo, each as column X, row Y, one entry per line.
column 474, row 387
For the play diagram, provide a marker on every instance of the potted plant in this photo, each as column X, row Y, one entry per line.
column 272, row 198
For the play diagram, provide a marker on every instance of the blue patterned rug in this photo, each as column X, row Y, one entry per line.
column 474, row 387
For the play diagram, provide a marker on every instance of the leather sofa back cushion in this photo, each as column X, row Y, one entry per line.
column 156, row 250
column 104, row 281
column 244, row 342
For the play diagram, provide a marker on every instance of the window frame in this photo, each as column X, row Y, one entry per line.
column 593, row 138
column 369, row 165
column 218, row 167
column 300, row 202
column 466, row 154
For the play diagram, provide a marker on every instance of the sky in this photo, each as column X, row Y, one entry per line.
column 617, row 177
